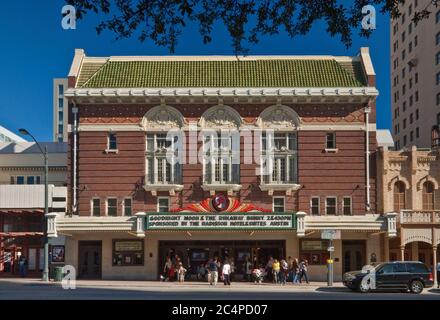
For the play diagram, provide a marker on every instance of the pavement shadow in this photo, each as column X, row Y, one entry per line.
column 434, row 290
column 333, row 289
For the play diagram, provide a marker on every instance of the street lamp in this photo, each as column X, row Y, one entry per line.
column 46, row 204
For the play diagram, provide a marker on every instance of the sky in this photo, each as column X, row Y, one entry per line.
column 35, row 49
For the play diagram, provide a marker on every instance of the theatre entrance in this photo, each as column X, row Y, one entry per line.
column 193, row 254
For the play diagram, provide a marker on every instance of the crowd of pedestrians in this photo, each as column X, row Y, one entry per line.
column 276, row 271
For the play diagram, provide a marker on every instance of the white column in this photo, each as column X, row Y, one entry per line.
column 415, row 251
column 402, row 253
column 140, row 224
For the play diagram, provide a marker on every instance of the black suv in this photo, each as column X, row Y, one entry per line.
column 408, row 275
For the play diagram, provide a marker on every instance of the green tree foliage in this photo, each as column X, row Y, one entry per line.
column 163, row 21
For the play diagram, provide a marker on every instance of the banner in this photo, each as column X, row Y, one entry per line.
column 198, row 221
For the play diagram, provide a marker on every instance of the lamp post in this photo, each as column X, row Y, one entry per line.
column 46, row 204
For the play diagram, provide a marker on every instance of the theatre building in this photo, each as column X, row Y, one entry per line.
column 235, row 157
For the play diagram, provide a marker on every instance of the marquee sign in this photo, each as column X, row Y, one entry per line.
column 213, row 221
column 221, row 203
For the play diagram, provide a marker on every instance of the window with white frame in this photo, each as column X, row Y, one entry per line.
column 221, row 158
column 331, row 205
column 112, row 207
column 96, row 207
column 163, row 163
column 330, row 142
column 315, row 206
column 279, row 204
column 279, row 158
column 347, row 208
column 25, row 180
column 112, row 142
column 163, row 204
column 127, row 207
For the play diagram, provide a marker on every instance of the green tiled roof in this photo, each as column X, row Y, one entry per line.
column 221, row 74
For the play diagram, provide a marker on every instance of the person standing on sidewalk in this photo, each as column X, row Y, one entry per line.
column 22, row 264
column 213, row 268
column 181, row 272
column 303, row 271
column 276, row 271
column 226, row 272
column 284, row 272
column 269, row 268
column 295, row 270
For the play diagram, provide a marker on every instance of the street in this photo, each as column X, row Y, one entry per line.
column 34, row 289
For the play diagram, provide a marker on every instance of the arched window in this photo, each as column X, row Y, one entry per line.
column 399, row 196
column 428, row 196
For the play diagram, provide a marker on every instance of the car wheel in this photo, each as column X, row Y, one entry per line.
column 416, row 287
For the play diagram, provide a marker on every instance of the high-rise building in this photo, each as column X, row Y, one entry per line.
column 415, row 75
column 60, row 111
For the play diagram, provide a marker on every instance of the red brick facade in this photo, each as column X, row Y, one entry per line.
column 319, row 173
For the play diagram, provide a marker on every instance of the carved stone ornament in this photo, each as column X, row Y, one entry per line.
column 162, row 117
column 278, row 117
column 221, row 117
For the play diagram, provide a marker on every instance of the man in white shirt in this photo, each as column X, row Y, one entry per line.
column 226, row 273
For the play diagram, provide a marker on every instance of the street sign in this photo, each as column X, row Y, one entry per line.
column 331, row 234
column 331, row 249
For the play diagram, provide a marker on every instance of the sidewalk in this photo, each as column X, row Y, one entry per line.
column 175, row 285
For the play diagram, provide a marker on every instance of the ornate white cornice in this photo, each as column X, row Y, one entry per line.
column 215, row 92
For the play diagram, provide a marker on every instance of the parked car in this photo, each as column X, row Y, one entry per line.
column 411, row 276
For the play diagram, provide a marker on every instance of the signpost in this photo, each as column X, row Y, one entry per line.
column 330, row 235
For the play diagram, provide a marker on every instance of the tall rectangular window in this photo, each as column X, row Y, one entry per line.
column 60, row 90
column 347, row 206
column 437, row 78
column 163, row 164
column 20, row 180
column 330, row 205
column 112, row 142
column 279, row 158
column 128, row 207
column 60, row 104
column 96, row 207
column 221, row 158
column 437, row 38
column 278, row 204
column 163, row 204
column 330, row 142
column 112, row 207
column 437, row 58
column 437, row 17
column 315, row 206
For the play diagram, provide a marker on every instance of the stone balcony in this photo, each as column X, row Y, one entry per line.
column 419, row 217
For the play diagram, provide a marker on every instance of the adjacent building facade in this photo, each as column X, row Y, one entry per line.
column 409, row 185
column 415, row 75
column 22, row 202
column 243, row 158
